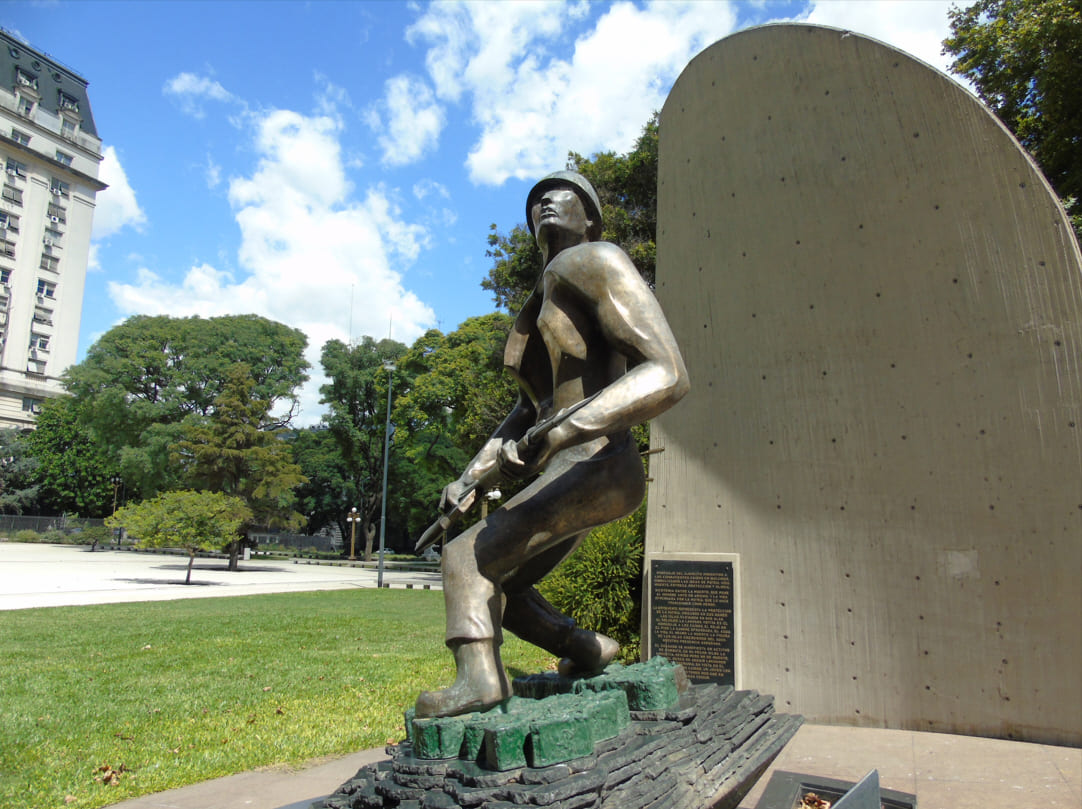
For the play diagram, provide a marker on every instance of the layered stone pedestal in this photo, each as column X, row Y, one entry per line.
column 635, row 738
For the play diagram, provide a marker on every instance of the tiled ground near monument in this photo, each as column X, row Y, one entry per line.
column 628, row 737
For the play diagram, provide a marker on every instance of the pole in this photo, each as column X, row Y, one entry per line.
column 386, row 458
column 351, row 518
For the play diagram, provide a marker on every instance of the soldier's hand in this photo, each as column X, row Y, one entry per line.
column 451, row 498
column 512, row 466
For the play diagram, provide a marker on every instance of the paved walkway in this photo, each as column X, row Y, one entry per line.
column 61, row 575
column 943, row 771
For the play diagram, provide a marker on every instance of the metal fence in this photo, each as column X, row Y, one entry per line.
column 10, row 523
column 298, row 542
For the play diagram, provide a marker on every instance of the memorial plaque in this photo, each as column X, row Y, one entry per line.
column 691, row 617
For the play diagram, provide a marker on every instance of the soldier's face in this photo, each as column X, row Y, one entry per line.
column 559, row 208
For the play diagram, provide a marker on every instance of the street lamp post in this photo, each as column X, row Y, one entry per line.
column 352, row 519
column 116, row 481
column 389, row 367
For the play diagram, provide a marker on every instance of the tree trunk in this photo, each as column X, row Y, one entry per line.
column 191, row 561
column 234, row 555
column 369, row 535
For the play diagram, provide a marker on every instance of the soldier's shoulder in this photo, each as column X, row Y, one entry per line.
column 592, row 260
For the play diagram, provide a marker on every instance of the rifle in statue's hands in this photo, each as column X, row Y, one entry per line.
column 526, row 447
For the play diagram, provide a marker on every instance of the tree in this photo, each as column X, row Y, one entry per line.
column 627, row 187
column 145, row 380
column 1025, row 59
column 196, row 521
column 234, row 453
column 18, row 487
column 324, row 498
column 73, row 470
column 357, row 396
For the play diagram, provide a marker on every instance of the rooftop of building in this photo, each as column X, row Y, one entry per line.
column 57, row 85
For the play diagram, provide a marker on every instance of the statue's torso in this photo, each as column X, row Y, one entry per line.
column 557, row 350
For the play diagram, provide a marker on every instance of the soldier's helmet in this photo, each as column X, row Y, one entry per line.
column 581, row 186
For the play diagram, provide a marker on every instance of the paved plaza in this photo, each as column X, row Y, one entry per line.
column 59, row 575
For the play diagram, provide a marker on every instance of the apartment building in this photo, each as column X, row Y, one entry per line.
column 50, row 152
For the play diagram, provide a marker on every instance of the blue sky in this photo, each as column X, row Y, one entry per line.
column 336, row 165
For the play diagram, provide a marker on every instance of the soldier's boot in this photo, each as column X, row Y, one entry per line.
column 536, row 621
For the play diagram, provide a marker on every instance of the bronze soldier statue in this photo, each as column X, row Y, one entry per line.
column 593, row 356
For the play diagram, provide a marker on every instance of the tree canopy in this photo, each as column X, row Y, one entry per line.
column 196, row 521
column 1025, row 59
column 144, row 380
column 357, row 398
column 73, row 471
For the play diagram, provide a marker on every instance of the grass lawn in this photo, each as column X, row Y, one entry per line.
column 173, row 692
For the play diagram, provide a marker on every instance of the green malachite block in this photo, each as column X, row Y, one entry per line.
column 560, row 737
column 410, row 713
column 609, row 714
column 650, row 686
column 564, row 724
column 505, row 744
column 438, row 738
column 474, row 738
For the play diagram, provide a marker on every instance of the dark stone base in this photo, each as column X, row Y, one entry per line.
column 705, row 752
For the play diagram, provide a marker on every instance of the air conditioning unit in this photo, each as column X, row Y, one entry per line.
column 48, row 242
column 54, row 219
column 13, row 172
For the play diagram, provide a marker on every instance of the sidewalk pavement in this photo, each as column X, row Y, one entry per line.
column 943, row 771
column 63, row 575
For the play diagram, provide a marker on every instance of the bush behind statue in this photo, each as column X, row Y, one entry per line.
column 600, row 585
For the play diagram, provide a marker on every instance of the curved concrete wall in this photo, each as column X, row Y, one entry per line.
column 880, row 304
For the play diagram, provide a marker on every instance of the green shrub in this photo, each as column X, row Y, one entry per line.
column 600, row 585
column 27, row 535
column 94, row 535
column 57, row 537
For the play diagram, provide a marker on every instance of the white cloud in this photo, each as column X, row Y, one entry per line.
column 533, row 106
column 213, row 172
column 426, row 187
column 190, row 91
column 313, row 254
column 413, row 120
column 116, row 207
column 917, row 27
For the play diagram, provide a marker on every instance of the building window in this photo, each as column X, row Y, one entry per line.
column 50, row 263
column 12, row 195
column 67, row 129
column 7, row 248
column 26, row 106
column 60, row 188
column 46, row 289
column 66, row 102
column 43, row 316
column 31, row 405
column 5, row 277
column 51, row 238
column 39, row 341
column 20, row 137
column 63, row 158
column 9, row 221
column 25, row 79
column 16, row 169
column 57, row 215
